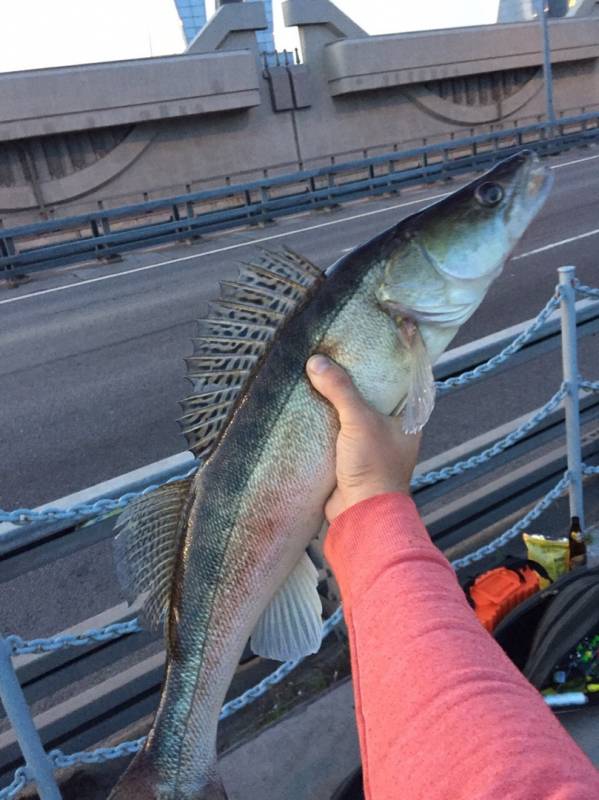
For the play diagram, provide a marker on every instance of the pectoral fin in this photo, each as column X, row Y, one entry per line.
column 420, row 400
column 291, row 625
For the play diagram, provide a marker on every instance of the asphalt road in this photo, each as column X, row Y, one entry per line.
column 91, row 368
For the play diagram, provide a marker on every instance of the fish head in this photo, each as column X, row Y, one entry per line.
column 439, row 263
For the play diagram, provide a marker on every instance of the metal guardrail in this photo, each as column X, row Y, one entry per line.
column 108, row 233
column 80, row 719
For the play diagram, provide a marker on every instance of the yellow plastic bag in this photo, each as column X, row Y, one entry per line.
column 553, row 554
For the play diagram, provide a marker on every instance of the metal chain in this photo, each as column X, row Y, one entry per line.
column 61, row 760
column 588, row 290
column 22, row 515
column 589, row 470
column 21, row 647
column 473, row 374
column 512, row 532
column 589, row 386
column 21, row 779
column 486, row 455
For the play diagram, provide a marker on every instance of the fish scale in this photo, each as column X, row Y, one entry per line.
column 232, row 564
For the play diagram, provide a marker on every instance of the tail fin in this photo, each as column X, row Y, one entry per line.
column 141, row 782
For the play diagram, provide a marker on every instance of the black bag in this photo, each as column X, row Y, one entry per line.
column 536, row 635
column 540, row 632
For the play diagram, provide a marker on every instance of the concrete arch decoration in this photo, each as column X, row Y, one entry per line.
column 79, row 182
column 456, row 109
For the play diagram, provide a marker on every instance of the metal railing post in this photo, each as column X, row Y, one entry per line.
column 571, row 381
column 19, row 715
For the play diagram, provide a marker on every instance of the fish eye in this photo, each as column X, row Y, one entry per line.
column 489, row 194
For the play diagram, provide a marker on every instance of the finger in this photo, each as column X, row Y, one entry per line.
column 333, row 383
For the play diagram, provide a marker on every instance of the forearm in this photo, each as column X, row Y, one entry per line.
column 441, row 711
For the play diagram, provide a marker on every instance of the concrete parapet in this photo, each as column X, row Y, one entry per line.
column 380, row 62
column 111, row 134
column 42, row 102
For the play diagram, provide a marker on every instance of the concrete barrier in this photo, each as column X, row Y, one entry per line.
column 76, row 139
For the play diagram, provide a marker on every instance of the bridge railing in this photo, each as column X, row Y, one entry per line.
column 579, row 395
column 107, row 233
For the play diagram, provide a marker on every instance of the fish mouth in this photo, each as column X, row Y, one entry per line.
column 535, row 181
column 447, row 317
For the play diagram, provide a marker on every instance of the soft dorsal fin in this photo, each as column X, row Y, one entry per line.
column 149, row 532
column 229, row 344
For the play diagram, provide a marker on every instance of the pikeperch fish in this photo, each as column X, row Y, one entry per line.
column 222, row 555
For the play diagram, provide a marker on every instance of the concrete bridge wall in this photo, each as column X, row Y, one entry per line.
column 77, row 138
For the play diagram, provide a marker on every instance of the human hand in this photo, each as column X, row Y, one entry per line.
column 374, row 455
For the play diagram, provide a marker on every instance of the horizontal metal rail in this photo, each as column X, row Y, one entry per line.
column 110, row 232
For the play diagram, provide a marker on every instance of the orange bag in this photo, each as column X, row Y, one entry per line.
column 494, row 593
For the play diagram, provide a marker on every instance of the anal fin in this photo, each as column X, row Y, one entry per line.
column 291, row 625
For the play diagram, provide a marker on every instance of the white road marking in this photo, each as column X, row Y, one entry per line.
column 556, row 244
column 576, row 161
column 250, row 242
column 247, row 243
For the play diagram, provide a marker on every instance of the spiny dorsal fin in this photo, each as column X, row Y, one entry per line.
column 230, row 343
column 146, row 545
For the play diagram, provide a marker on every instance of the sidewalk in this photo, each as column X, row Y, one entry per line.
column 303, row 757
column 307, row 754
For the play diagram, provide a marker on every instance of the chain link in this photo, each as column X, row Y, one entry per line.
column 21, row 647
column 587, row 469
column 589, row 386
column 61, row 760
column 588, row 290
column 21, row 779
column 486, row 455
column 512, row 532
column 494, row 362
column 21, row 516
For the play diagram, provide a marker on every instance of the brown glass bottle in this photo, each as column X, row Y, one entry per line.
column 578, row 548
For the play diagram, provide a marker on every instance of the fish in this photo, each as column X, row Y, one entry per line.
column 222, row 555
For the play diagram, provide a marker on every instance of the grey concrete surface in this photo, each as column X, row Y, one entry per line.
column 43, row 102
column 402, row 59
column 75, row 137
column 306, row 755
column 303, row 757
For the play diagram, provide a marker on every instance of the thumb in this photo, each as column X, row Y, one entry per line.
column 333, row 383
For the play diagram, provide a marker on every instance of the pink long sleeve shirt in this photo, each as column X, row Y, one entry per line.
column 442, row 712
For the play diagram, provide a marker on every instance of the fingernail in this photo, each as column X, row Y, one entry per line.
column 318, row 364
